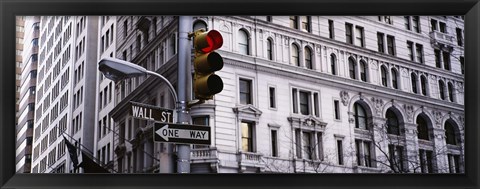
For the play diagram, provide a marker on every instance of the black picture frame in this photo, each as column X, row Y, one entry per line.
column 9, row 9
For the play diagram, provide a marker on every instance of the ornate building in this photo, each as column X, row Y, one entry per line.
column 306, row 94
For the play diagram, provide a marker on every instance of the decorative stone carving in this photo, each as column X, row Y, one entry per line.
column 344, row 96
column 438, row 117
column 408, row 111
column 461, row 119
column 373, row 64
column 433, row 78
column 404, row 72
column 351, row 120
column 378, row 103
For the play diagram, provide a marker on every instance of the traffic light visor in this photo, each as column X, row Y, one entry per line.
column 209, row 41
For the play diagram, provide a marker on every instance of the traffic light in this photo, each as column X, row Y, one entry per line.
column 206, row 62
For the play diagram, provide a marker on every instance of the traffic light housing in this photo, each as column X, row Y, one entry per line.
column 206, row 62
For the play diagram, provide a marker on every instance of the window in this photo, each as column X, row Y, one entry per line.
column 441, row 89
column 352, row 68
column 336, row 106
column 243, row 43
column 360, row 116
column 459, row 36
column 273, row 136
column 390, row 45
column 380, row 42
column 269, row 49
column 450, row 133
column 393, row 126
column 438, row 62
column 245, row 91
column 359, row 36
column 426, row 161
column 396, row 158
column 348, row 33
column 363, row 150
column 333, row 64
column 407, row 22
column 433, row 24
column 446, row 60
column 201, row 120
column 414, row 83
column 462, row 64
column 247, row 136
column 173, row 45
column 419, row 53
column 450, row 92
column 294, row 22
column 423, row 82
column 422, row 128
column 416, row 25
column 303, row 99
column 410, row 50
column 331, row 29
column 304, row 103
column 295, row 55
column 308, row 58
column 269, row 18
column 384, row 76
column 443, row 27
column 340, row 152
column 308, row 145
column 305, row 21
column 363, row 71
column 271, row 92
column 199, row 25
column 454, row 163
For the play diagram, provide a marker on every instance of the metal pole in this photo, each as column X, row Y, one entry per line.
column 184, row 26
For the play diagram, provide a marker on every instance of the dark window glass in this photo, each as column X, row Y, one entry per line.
column 348, row 33
column 380, row 42
column 422, row 128
column 245, row 92
column 360, row 116
column 393, row 126
column 450, row 133
column 304, row 103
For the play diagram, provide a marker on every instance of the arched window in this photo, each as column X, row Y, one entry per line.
column 441, row 89
column 363, row 71
column 308, row 58
column 423, row 82
column 352, row 68
column 393, row 126
column 243, row 43
column 333, row 64
column 295, row 60
column 414, row 83
column 394, row 79
column 450, row 133
column 269, row 49
column 384, row 76
column 199, row 25
column 422, row 128
column 360, row 116
column 450, row 92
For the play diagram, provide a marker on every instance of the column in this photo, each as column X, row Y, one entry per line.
column 411, row 146
column 440, row 150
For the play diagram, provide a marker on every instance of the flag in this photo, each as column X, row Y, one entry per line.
column 72, row 150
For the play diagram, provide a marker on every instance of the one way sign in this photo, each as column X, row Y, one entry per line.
column 181, row 133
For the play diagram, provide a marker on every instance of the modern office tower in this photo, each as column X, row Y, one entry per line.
column 66, row 87
column 26, row 70
column 305, row 94
column 104, row 93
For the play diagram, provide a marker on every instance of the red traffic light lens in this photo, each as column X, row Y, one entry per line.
column 214, row 40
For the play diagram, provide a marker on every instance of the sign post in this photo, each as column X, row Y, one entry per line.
column 182, row 133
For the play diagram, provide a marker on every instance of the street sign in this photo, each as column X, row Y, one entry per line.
column 149, row 112
column 181, row 133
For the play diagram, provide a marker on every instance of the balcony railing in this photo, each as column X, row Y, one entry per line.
column 251, row 159
column 202, row 155
column 439, row 37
